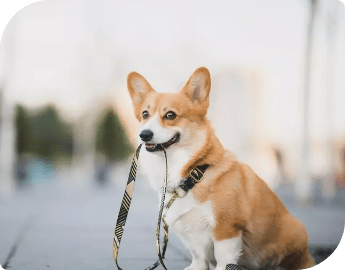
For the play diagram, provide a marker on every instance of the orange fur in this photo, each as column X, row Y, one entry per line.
column 242, row 202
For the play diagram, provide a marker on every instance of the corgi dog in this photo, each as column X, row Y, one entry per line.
column 231, row 216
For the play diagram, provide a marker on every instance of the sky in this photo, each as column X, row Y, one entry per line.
column 76, row 52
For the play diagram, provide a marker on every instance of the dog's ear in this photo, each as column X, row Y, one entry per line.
column 198, row 86
column 138, row 87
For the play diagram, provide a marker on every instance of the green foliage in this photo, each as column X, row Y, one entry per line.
column 22, row 128
column 111, row 138
column 43, row 133
column 50, row 135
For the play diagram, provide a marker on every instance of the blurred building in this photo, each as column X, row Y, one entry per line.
column 84, row 157
column 237, row 114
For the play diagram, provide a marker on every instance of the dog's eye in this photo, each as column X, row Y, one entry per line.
column 170, row 115
column 145, row 114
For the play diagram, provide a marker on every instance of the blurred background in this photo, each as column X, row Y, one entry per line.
column 277, row 98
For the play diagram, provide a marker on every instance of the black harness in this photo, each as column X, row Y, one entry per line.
column 196, row 175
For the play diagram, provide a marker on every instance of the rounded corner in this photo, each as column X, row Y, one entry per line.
column 12, row 9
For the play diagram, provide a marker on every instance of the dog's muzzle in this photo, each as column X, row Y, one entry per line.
column 159, row 147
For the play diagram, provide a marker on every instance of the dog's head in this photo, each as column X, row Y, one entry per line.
column 170, row 118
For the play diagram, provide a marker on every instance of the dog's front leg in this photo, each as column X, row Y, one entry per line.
column 196, row 236
column 199, row 259
column 200, row 245
column 228, row 251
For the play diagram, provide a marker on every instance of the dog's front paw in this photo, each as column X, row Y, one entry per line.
column 195, row 266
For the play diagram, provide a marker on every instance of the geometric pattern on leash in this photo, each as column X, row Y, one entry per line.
column 234, row 267
column 125, row 205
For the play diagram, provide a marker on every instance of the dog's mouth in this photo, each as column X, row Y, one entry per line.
column 158, row 147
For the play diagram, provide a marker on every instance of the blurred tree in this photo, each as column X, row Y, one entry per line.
column 111, row 138
column 22, row 142
column 22, row 130
column 43, row 134
column 51, row 137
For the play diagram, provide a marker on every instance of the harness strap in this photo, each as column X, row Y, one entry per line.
column 196, row 175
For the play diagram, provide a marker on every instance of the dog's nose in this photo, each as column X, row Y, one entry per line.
column 146, row 135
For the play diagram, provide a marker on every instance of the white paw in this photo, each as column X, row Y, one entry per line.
column 197, row 267
column 194, row 268
column 189, row 268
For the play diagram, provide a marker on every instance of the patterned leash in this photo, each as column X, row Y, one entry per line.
column 125, row 205
column 124, row 209
column 234, row 267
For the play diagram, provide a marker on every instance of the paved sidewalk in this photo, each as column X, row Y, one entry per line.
column 57, row 228
column 61, row 228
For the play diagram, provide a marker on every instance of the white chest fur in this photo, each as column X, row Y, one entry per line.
column 153, row 166
column 193, row 221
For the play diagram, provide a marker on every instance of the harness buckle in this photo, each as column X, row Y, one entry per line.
column 195, row 174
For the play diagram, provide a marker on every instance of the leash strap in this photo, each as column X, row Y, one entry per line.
column 124, row 209
column 125, row 205
column 234, row 267
column 161, row 217
column 166, row 227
